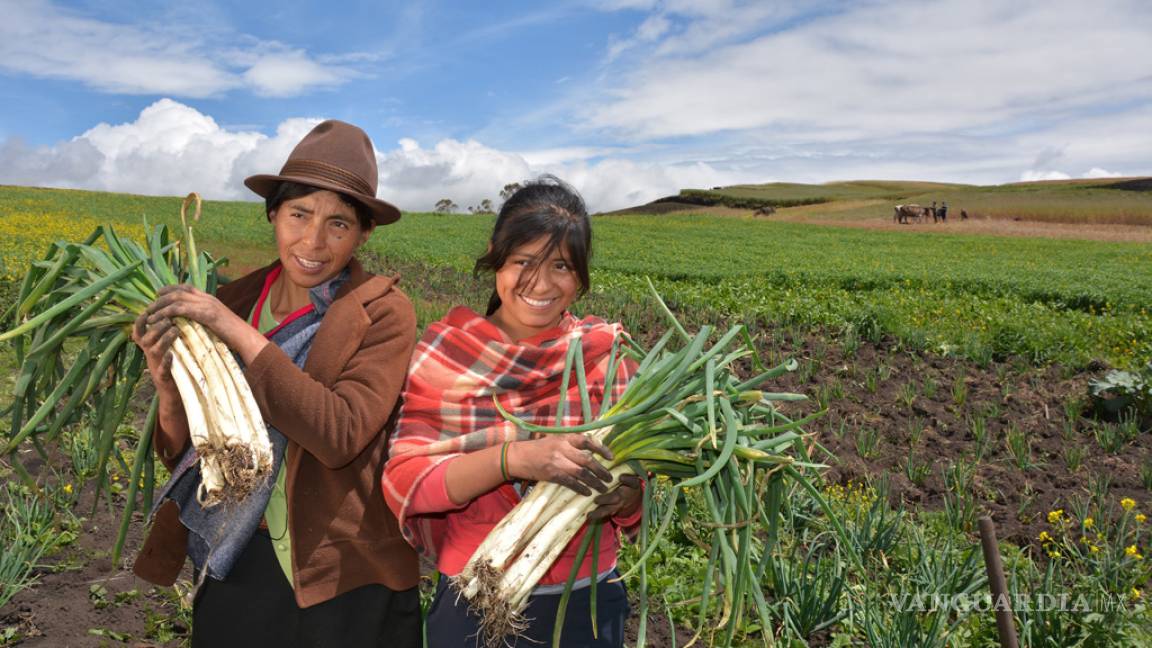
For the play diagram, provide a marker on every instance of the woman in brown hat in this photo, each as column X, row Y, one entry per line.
column 314, row 558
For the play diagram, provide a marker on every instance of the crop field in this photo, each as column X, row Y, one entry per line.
column 954, row 370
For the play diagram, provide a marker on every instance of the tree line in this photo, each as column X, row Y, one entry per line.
column 485, row 206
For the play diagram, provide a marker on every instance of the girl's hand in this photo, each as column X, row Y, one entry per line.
column 621, row 501
column 565, row 459
column 198, row 306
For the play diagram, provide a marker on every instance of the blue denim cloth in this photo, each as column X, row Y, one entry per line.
column 218, row 535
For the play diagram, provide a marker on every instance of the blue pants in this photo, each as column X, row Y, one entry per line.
column 452, row 624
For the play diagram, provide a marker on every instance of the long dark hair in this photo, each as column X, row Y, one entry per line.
column 546, row 206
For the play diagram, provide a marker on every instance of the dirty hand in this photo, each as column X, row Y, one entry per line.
column 621, row 501
column 565, row 459
column 198, row 306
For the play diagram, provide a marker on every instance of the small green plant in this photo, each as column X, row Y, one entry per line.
column 1025, row 512
column 1073, row 408
column 915, row 470
column 960, row 390
column 960, row 496
column 929, row 388
column 1113, row 437
column 119, row 637
column 810, row 588
column 1146, row 475
column 907, row 394
column 1073, row 456
column 27, row 533
column 978, row 425
column 867, row 441
column 1123, row 393
column 884, row 371
column 850, row 341
column 806, row 370
column 916, row 427
column 990, row 410
column 1019, row 447
column 872, row 381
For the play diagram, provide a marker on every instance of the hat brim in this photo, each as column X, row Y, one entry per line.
column 382, row 212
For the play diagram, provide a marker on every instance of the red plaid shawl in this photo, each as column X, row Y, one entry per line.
column 461, row 362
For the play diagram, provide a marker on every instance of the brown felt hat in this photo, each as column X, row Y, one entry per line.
column 336, row 156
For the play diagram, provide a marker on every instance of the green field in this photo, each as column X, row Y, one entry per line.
column 980, row 297
column 971, row 401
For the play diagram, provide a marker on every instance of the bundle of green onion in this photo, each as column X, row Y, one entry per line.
column 685, row 421
column 93, row 291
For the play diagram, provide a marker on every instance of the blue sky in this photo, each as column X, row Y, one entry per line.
column 628, row 99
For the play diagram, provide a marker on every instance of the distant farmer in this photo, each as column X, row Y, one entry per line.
column 933, row 212
column 943, row 213
column 963, row 215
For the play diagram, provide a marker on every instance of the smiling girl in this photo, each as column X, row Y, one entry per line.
column 457, row 467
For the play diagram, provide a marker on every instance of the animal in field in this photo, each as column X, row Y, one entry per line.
column 766, row 210
column 907, row 213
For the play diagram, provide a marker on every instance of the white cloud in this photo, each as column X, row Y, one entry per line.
column 290, row 73
column 171, row 149
column 40, row 39
column 1097, row 172
column 1033, row 176
column 814, row 91
column 881, row 70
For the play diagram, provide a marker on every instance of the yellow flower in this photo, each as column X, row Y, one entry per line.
column 1141, row 518
column 68, row 488
column 1053, row 554
column 1132, row 551
column 1044, row 537
column 1055, row 516
column 1127, row 503
column 1089, row 523
column 1135, row 594
column 1093, row 548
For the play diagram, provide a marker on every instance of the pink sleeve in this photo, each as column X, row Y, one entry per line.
column 431, row 495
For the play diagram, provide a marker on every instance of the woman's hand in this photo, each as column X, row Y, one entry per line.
column 156, row 343
column 621, row 501
column 198, row 306
column 565, row 459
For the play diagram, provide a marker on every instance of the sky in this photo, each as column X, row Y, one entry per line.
column 629, row 100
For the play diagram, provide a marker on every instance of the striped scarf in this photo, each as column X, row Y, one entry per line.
column 460, row 365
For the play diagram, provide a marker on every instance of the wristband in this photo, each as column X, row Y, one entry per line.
column 504, row 461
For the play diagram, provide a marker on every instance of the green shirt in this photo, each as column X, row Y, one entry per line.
column 276, row 514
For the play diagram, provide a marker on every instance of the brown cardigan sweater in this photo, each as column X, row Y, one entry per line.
column 337, row 414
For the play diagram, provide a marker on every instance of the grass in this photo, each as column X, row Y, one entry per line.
column 1045, row 300
column 980, row 297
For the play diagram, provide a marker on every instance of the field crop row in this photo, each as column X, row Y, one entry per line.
column 974, row 296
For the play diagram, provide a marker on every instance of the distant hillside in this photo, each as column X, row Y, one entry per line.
column 1126, row 201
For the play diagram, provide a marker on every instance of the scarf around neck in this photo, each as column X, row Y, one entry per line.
column 459, row 366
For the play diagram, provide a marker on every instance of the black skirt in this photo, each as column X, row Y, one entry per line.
column 255, row 607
